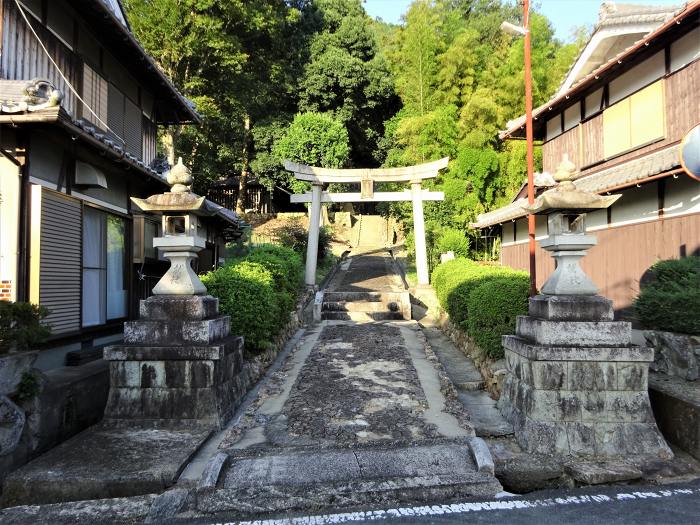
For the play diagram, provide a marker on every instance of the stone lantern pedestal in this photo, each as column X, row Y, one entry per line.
column 575, row 383
column 178, row 365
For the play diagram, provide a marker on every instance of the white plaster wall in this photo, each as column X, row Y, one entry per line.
column 10, row 183
column 682, row 196
column 572, row 116
column 636, row 78
column 593, row 102
column 636, row 205
column 685, row 49
column 507, row 234
column 597, row 220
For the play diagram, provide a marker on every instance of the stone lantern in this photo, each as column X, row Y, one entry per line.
column 179, row 364
column 183, row 235
column 566, row 207
column 576, row 385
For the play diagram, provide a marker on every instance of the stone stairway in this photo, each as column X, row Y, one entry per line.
column 361, row 306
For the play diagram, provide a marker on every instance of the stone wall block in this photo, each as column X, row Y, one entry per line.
column 541, row 437
column 549, row 375
column 592, row 376
column 675, row 354
column 581, row 438
column 570, row 406
column 592, row 405
column 628, row 406
column 201, row 374
column 546, row 406
column 610, row 439
column 641, row 438
column 632, row 376
column 177, row 374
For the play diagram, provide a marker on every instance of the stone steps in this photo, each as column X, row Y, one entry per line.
column 295, row 480
column 362, row 316
column 359, row 306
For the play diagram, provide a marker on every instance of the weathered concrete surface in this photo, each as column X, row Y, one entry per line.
column 484, row 414
column 104, row 462
column 90, row 512
column 459, row 368
column 676, row 406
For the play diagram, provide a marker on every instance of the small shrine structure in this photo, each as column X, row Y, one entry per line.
column 413, row 175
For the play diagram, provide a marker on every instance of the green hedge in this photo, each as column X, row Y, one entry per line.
column 258, row 291
column 456, row 281
column 493, row 308
column 671, row 300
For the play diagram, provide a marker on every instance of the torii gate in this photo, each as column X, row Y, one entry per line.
column 414, row 175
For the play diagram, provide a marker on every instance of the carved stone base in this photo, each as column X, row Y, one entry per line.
column 179, row 365
column 578, row 387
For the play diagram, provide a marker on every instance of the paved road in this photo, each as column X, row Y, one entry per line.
column 630, row 505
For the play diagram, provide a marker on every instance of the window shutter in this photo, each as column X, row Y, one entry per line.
column 133, row 128
column 59, row 258
column 616, row 129
column 115, row 114
column 95, row 94
column 647, row 114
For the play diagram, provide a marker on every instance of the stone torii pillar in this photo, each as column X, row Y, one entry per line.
column 314, row 231
column 412, row 175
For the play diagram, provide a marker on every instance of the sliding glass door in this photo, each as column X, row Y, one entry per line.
column 105, row 292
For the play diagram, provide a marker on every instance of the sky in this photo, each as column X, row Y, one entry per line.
column 566, row 15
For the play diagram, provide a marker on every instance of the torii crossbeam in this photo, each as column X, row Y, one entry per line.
column 413, row 175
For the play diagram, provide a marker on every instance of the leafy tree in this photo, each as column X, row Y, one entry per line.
column 316, row 139
column 345, row 76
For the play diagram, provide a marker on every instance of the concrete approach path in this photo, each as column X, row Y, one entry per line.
column 359, row 413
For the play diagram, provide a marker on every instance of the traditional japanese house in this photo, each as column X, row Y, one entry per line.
column 80, row 104
column 623, row 108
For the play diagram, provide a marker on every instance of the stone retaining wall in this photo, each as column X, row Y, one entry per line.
column 492, row 371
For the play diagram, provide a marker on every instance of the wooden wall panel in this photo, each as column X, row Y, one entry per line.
column 622, row 256
column 566, row 143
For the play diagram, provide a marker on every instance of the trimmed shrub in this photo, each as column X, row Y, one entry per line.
column 454, row 280
column 21, row 327
column 287, row 272
column 493, row 308
column 246, row 292
column 671, row 300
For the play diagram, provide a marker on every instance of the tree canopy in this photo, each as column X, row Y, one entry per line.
column 365, row 93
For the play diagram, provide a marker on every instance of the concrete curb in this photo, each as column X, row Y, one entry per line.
column 212, row 471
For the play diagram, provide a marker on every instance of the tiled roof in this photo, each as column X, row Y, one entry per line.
column 612, row 13
column 629, row 173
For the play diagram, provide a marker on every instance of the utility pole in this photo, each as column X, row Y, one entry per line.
column 530, row 147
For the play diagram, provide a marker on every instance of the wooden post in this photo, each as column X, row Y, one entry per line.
column 312, row 242
column 419, row 233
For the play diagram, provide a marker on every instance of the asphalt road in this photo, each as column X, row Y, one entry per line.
column 667, row 504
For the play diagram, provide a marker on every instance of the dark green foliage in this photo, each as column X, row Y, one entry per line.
column 21, row 327
column 27, row 388
column 286, row 268
column 258, row 291
column 671, row 301
column 246, row 293
column 492, row 313
column 294, row 235
column 493, row 308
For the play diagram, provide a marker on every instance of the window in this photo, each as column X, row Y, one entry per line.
column 95, row 97
column 104, row 267
column 572, row 116
column 634, row 121
column 554, row 127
